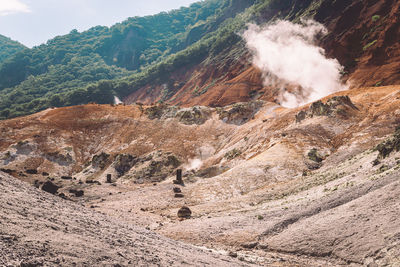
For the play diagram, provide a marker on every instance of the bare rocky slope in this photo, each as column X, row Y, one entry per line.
column 38, row 229
column 363, row 36
column 312, row 186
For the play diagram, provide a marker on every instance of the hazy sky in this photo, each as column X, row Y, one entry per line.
column 33, row 22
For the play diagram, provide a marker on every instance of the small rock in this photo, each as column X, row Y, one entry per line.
column 250, row 245
column 45, row 174
column 177, row 190
column 179, row 195
column 66, row 177
column 77, row 193
column 184, row 212
column 62, row 195
column 37, row 183
column 232, row 254
column 31, row 171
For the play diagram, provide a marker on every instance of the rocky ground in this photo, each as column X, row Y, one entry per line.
column 313, row 186
column 39, row 229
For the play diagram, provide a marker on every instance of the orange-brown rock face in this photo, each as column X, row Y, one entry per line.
column 363, row 36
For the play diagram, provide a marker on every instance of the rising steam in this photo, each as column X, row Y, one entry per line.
column 117, row 101
column 289, row 59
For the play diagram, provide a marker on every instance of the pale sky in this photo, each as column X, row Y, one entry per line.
column 33, row 22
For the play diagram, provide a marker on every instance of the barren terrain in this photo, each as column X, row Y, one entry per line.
column 266, row 185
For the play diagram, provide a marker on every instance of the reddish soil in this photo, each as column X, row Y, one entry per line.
column 363, row 36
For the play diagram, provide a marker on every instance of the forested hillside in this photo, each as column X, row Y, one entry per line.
column 8, row 47
column 193, row 55
column 62, row 71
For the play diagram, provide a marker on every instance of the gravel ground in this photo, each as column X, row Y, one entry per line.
column 39, row 229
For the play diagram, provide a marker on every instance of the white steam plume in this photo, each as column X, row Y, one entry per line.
column 288, row 57
column 194, row 164
column 117, row 101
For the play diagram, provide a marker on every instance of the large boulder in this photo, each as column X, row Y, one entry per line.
column 184, row 213
column 50, row 187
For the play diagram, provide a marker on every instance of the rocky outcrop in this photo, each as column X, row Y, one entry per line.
column 194, row 115
column 336, row 106
column 189, row 116
column 100, row 161
column 124, row 162
column 154, row 167
column 239, row 113
column 390, row 145
column 60, row 158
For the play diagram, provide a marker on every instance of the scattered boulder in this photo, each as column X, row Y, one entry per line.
column 232, row 254
column 76, row 192
column 123, row 163
column 179, row 195
column 315, row 156
column 8, row 171
column 177, row 190
column 91, row 181
column 31, row 263
column 37, row 183
column 100, row 161
column 31, row 171
column 50, row 187
column 184, row 212
column 63, row 196
column 250, row 245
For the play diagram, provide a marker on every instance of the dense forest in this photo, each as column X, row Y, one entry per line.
column 9, row 47
column 97, row 64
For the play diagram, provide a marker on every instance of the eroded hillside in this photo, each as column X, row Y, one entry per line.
column 362, row 35
column 269, row 185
